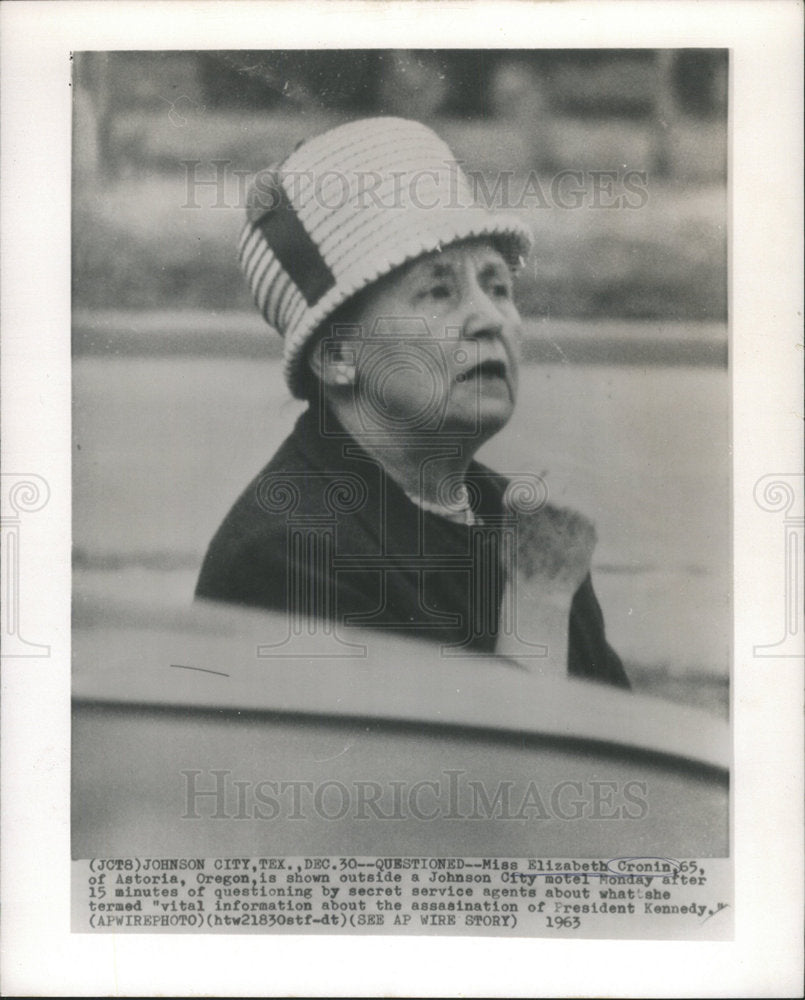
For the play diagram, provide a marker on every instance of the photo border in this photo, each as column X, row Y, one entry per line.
column 40, row 956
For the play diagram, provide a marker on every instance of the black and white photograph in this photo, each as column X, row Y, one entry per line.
column 424, row 558
column 402, row 387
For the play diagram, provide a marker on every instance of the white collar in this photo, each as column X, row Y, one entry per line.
column 460, row 512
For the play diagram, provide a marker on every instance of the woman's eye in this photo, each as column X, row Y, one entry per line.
column 501, row 290
column 439, row 292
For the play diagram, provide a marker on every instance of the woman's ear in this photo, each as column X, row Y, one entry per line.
column 332, row 355
column 333, row 361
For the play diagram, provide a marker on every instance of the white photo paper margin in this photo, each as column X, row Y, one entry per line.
column 40, row 955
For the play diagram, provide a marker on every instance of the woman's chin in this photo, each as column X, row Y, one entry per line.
column 485, row 415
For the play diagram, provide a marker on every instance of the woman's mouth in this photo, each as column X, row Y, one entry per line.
column 491, row 369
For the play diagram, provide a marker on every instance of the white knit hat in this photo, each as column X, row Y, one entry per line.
column 346, row 208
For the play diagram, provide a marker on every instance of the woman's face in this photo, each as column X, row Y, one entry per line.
column 438, row 344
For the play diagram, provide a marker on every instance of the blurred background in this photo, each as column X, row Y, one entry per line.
column 178, row 397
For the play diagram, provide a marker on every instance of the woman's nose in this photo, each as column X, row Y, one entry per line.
column 482, row 317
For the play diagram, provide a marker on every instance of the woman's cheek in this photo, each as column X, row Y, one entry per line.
column 514, row 380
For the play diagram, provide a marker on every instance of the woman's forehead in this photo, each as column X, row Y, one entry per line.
column 480, row 253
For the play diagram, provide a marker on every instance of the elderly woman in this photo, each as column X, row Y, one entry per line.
column 392, row 290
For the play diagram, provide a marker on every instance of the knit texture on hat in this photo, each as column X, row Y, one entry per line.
column 346, row 208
